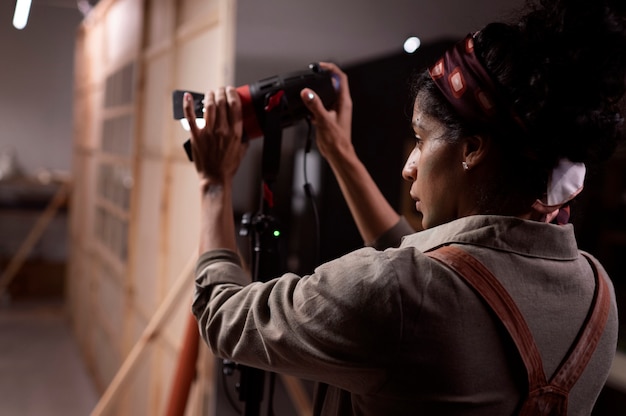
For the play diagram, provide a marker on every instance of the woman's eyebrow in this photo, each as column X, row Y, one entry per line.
column 417, row 124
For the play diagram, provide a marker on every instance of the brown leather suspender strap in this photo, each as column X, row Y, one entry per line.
column 487, row 285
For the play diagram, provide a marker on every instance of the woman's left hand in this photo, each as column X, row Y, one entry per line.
column 217, row 148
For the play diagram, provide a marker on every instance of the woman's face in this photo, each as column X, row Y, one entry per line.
column 436, row 171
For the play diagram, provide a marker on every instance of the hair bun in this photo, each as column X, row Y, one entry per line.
column 563, row 67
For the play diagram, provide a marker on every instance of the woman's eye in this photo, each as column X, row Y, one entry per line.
column 418, row 141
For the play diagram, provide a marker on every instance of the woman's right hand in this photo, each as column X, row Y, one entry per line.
column 334, row 126
column 371, row 212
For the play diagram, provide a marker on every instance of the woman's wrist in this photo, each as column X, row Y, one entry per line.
column 345, row 160
column 342, row 152
column 213, row 187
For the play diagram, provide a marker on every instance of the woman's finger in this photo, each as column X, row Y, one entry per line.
column 315, row 105
column 234, row 111
column 209, row 110
column 344, row 101
column 221, row 116
column 190, row 116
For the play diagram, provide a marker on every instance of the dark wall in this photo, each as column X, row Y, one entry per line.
column 381, row 128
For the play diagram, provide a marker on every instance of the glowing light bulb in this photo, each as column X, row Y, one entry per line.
column 22, row 9
column 412, row 44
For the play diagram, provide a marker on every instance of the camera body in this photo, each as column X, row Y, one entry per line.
column 271, row 103
column 280, row 95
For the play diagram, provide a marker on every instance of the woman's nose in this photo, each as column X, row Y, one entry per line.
column 409, row 171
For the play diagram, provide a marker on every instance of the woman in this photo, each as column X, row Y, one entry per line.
column 396, row 332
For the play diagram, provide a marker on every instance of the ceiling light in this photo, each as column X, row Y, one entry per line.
column 412, row 44
column 22, row 9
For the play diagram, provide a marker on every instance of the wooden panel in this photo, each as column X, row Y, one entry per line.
column 148, row 267
column 90, row 55
column 195, row 10
column 157, row 106
column 110, row 298
column 88, row 87
column 122, row 27
column 106, row 356
column 183, row 215
column 81, row 63
column 93, row 131
column 135, row 211
column 78, row 198
column 197, row 69
column 87, row 206
column 106, row 316
column 120, row 87
column 160, row 22
column 203, row 74
column 104, row 137
column 79, row 297
column 141, row 388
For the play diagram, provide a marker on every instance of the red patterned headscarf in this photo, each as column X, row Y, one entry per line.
column 466, row 85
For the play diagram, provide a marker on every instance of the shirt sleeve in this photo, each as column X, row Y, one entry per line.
column 339, row 325
column 393, row 236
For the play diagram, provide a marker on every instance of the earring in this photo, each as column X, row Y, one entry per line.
column 465, row 165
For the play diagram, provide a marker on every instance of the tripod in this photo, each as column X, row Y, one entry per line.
column 264, row 233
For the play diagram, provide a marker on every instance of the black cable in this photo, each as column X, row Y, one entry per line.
column 308, row 189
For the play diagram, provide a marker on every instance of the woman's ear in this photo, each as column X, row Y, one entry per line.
column 476, row 148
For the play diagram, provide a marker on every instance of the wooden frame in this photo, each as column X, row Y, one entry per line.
column 129, row 241
column 135, row 206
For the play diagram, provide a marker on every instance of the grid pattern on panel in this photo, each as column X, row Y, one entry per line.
column 114, row 174
column 115, row 182
column 119, row 86
column 117, row 133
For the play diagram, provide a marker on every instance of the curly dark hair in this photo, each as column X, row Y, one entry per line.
column 562, row 67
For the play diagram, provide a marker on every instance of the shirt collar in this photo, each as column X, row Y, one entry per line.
column 510, row 234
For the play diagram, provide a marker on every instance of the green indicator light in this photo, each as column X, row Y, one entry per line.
column 276, row 233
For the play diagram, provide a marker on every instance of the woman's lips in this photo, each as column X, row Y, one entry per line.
column 417, row 201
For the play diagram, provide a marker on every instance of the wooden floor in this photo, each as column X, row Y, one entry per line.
column 41, row 371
